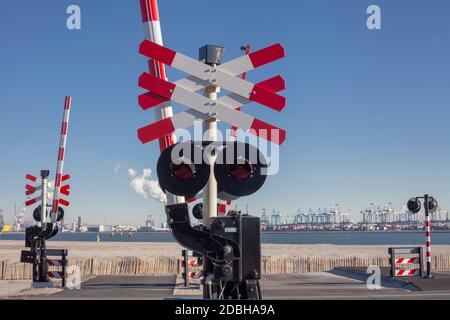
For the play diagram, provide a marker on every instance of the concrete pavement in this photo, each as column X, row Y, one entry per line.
column 322, row 286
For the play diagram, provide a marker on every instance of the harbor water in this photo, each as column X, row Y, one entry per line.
column 337, row 238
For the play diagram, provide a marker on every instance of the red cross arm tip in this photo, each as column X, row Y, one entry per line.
column 267, row 98
column 149, row 100
column 30, row 202
column 31, row 178
column 65, row 190
column 274, row 84
column 266, row 55
column 269, row 132
column 155, row 51
column 156, row 85
column 63, row 202
column 29, row 190
column 156, row 130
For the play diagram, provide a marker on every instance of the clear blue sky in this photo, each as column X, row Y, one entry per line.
column 367, row 111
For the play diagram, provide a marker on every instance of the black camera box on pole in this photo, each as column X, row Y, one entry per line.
column 245, row 230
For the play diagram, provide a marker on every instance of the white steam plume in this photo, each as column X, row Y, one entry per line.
column 146, row 187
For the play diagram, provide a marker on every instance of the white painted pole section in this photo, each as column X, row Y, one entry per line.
column 210, row 190
column 44, row 196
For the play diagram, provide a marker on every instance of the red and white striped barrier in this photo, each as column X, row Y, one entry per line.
column 196, row 275
column 407, row 273
column 407, row 260
column 152, row 32
column 55, row 263
column 56, row 274
column 60, row 165
column 193, row 262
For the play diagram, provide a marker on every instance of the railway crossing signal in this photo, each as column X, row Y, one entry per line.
column 229, row 244
column 202, row 75
column 31, row 190
column 36, row 236
column 430, row 205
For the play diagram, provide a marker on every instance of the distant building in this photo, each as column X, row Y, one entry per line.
column 79, row 225
column 99, row 228
column 275, row 219
column 149, row 225
column 146, row 229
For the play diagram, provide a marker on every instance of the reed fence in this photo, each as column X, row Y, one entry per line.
column 13, row 270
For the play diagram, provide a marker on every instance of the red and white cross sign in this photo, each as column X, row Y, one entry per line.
column 30, row 190
column 203, row 75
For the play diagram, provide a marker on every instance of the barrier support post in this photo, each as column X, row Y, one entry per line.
column 186, row 267
column 428, row 234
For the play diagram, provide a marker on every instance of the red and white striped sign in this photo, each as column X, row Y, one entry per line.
column 193, row 262
column 55, row 263
column 195, row 275
column 29, row 190
column 407, row 260
column 55, row 274
column 407, row 273
column 203, row 75
column 183, row 120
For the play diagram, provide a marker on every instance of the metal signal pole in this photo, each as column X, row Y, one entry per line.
column 210, row 190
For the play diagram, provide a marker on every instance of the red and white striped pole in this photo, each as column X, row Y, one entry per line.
column 61, row 153
column 428, row 234
column 152, row 32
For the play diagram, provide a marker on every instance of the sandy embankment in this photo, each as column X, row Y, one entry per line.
column 10, row 250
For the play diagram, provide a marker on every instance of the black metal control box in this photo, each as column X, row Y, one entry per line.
column 245, row 230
